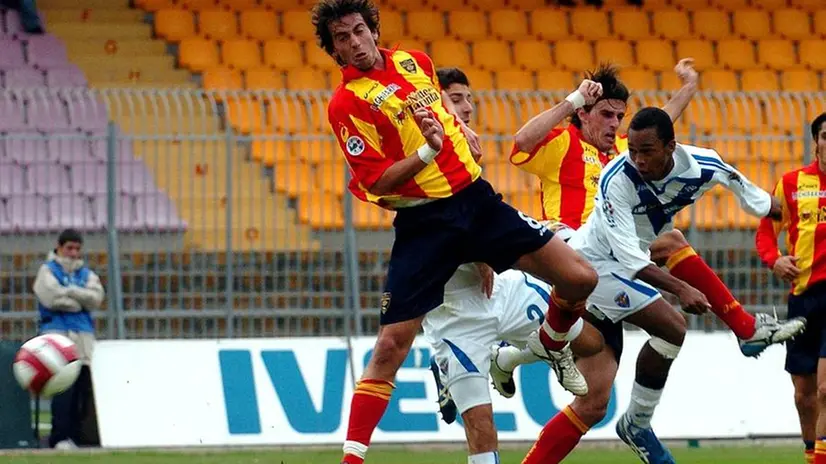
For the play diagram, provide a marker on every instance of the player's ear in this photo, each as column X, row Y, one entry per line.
column 671, row 146
column 375, row 36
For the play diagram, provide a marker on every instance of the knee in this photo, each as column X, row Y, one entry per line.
column 592, row 408
column 821, row 393
column 806, row 400
column 667, row 244
column 675, row 333
column 582, row 280
column 389, row 350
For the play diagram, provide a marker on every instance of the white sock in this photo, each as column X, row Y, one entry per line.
column 355, row 448
column 491, row 457
column 643, row 402
column 510, row 357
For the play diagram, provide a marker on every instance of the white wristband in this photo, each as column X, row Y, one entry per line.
column 577, row 99
column 426, row 153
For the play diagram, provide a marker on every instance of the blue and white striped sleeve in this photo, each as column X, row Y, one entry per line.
column 752, row 198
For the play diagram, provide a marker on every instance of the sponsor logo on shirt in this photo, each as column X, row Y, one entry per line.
column 384, row 95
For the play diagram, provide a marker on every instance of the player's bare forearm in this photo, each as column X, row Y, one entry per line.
column 397, row 174
column 679, row 102
column 535, row 130
column 655, row 276
column 776, row 210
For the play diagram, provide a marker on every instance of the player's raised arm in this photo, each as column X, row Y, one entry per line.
column 680, row 100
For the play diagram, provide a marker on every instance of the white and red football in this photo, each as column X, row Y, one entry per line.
column 47, row 365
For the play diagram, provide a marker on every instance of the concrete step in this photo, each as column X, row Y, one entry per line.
column 124, row 49
column 105, row 31
column 93, row 15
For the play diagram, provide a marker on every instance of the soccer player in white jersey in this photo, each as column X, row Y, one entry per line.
column 639, row 193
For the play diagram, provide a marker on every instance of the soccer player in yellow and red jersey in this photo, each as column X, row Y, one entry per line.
column 802, row 194
column 407, row 153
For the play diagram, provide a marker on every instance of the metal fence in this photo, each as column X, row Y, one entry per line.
column 226, row 215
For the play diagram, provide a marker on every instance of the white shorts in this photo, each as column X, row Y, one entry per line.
column 618, row 294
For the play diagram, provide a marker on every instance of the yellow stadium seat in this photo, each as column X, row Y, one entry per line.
column 776, row 53
column 392, row 25
column 405, row 5
column 259, row 24
column 590, row 23
column 246, row 116
column 820, row 22
column 154, row 5
column 711, row 24
column 283, row 54
column 555, row 80
column 468, row 25
column 745, row 114
column 669, row 80
column 656, row 55
column 217, row 24
column 550, row 24
column 297, row 25
column 409, row 45
column 239, row 5
column 811, row 54
column 318, row 57
column 198, row 5
column 639, row 79
column 450, row 53
column 736, row 54
column 371, row 217
column 491, row 149
column 331, row 176
column 197, row 54
column 174, row 25
column 732, row 5
column 487, row 5
column 294, row 178
column 317, row 152
column 514, row 80
column 618, row 52
column 269, row 152
column 799, row 80
column 756, row 171
column 631, row 24
column 479, row 79
column 770, row 147
column 222, row 79
column 241, row 54
column 808, row 5
column 772, row 5
column 573, row 55
column 691, row 5
column 321, row 210
column 718, row 80
column 509, row 24
column 792, row 24
column 447, row 5
column 529, row 203
column 759, row 80
column 752, row 24
column 787, row 114
column 532, row 54
column 705, row 214
column 738, row 218
column 497, row 116
column 307, row 79
column 732, row 149
column 492, row 54
column 705, row 114
column 506, row 178
column 426, row 25
column 671, row 24
column 701, row 50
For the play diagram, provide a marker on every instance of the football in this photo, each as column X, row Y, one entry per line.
column 47, row 365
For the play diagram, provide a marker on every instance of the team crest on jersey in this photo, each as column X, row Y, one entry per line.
column 409, row 65
column 622, row 300
column 355, row 145
column 385, row 302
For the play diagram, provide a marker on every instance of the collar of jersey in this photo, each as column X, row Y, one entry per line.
column 814, row 169
column 351, row 73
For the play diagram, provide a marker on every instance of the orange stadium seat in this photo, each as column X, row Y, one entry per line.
column 498, row 117
column 492, row 54
column 792, row 24
column 406, row 5
column 820, row 23
column 426, row 25
column 731, row 150
column 590, row 23
column 174, row 25
column 701, row 50
column 772, row 148
column 711, row 24
column 367, row 216
column 294, row 178
column 307, row 79
column 532, row 54
column 706, row 114
column 799, row 80
column 392, row 25
column 639, row 79
column 479, row 79
column 550, row 24
column 283, row 54
column 691, row 5
column 487, row 5
column 752, row 24
column 514, row 80
column 672, row 24
column 448, row 5
column 811, row 54
column 755, row 80
column 331, row 176
column 154, row 5
column 776, row 53
column 738, row 219
column 270, row 152
column 772, row 5
column 736, row 54
column 322, row 210
column 239, row 5
column 223, row 79
column 808, row 5
column 409, row 45
column 318, row 58
column 669, row 80
column 259, row 24
column 655, row 54
column 198, row 5
column 245, row 116
column 217, row 24
column 528, row 203
column 468, row 25
column 555, row 80
column 197, row 54
column 631, row 24
column 618, row 52
column 731, row 5
column 745, row 114
column 755, row 170
column 718, row 80
column 450, row 53
column 506, row 178
column 241, row 54
column 573, row 55
column 297, row 25
column 509, row 24
column 787, row 114
column 317, row 152
column 491, row 149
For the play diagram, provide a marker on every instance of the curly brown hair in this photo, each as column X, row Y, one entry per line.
column 327, row 11
column 612, row 88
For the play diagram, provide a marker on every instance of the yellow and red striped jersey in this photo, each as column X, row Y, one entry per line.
column 569, row 169
column 371, row 114
column 802, row 193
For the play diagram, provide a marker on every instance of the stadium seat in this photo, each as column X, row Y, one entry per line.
column 245, row 116
column 770, row 147
column 317, row 151
column 820, row 23
column 270, row 151
column 450, row 53
column 239, row 5
column 590, row 24
column 755, row 170
column 731, row 150
column 736, row 54
column 799, row 80
column 198, row 5
column 655, row 5
column 787, row 115
column 410, row 45
column 493, row 55
column 656, row 55
column 514, row 80
column 487, row 5
column 264, row 78
column 297, row 25
column 691, row 5
column 711, row 24
column 701, row 50
column 174, row 25
column 776, row 53
column 283, row 54
column 573, row 55
column 154, row 5
column 429, row 25
column 752, row 24
column 322, row 210
column 331, row 176
column 294, row 178
column 672, row 24
column 222, row 79
column 669, row 80
column 532, row 54
column 529, row 203
column 792, row 24
column 307, row 79
column 706, row 115
column 468, row 25
column 241, row 54
column 259, row 24
column 318, row 58
column 509, row 24
column 506, row 178
column 447, row 5
column 392, row 25
column 808, row 5
column 405, row 5
column 738, row 219
column 760, row 80
column 217, row 24
column 618, row 52
column 550, row 24
column 555, row 80
column 811, row 54
column 371, row 217
column 497, row 116
column 707, row 215
column 772, row 5
column 732, row 5
column 631, row 24
column 479, row 79
column 639, row 79
column 286, row 116
column 198, row 54
column 719, row 80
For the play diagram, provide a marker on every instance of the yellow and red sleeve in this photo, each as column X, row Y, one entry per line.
column 546, row 158
column 768, row 230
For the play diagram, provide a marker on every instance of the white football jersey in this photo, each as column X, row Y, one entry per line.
column 630, row 213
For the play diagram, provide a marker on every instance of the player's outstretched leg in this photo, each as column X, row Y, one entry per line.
column 446, row 404
column 755, row 333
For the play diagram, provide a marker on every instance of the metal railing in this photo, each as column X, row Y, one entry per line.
column 226, row 214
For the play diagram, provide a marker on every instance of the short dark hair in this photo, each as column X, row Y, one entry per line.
column 69, row 235
column 327, row 11
column 654, row 117
column 450, row 76
column 612, row 88
column 817, row 125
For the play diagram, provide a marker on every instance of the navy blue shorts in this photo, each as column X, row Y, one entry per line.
column 434, row 239
column 611, row 332
column 803, row 353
